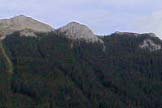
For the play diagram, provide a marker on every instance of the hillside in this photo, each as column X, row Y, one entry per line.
column 51, row 71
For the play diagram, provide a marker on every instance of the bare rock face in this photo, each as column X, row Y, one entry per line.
column 149, row 44
column 27, row 33
column 76, row 31
column 21, row 22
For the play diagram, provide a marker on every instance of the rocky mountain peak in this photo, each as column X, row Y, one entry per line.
column 22, row 22
column 77, row 31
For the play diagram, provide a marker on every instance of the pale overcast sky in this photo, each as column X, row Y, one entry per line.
column 102, row 16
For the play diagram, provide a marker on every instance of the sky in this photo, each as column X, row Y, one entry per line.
column 102, row 16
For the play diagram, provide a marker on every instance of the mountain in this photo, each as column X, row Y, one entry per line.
column 149, row 44
column 76, row 31
column 22, row 22
column 44, row 71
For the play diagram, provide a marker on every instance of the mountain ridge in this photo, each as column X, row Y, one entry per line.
column 27, row 26
column 74, row 30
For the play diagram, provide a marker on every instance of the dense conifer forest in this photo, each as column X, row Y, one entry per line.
column 54, row 72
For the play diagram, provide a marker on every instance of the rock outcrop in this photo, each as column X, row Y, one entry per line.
column 76, row 31
column 150, row 45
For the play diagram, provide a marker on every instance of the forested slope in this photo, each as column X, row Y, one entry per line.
column 54, row 72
